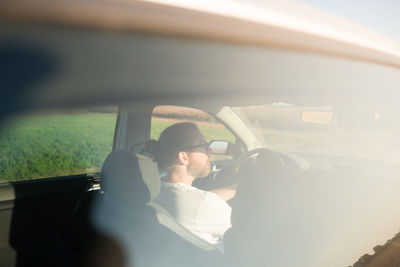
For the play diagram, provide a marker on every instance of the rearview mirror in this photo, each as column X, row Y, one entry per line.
column 317, row 117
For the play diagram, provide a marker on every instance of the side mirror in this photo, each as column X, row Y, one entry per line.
column 221, row 147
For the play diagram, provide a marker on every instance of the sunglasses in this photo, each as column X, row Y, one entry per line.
column 203, row 148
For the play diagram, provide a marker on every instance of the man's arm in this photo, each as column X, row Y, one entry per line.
column 226, row 193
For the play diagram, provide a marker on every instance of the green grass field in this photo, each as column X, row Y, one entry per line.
column 65, row 144
column 55, row 145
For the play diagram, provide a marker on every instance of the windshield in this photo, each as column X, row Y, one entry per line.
column 323, row 130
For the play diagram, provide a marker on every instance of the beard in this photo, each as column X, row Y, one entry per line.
column 199, row 171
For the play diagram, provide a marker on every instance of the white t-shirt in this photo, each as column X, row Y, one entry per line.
column 203, row 213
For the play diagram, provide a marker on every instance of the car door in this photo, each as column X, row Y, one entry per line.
column 50, row 163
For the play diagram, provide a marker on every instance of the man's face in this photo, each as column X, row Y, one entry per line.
column 199, row 164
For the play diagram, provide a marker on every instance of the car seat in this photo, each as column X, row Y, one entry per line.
column 121, row 212
column 149, row 235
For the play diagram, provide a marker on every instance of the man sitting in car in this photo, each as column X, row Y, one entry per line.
column 182, row 154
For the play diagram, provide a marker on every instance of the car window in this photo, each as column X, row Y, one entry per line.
column 164, row 116
column 322, row 130
column 56, row 143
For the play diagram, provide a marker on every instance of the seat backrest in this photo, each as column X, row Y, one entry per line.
column 121, row 212
column 129, row 178
column 132, row 180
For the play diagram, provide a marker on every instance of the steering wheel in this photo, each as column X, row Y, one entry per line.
column 230, row 173
column 267, row 156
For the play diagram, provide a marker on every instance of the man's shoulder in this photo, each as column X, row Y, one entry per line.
column 184, row 188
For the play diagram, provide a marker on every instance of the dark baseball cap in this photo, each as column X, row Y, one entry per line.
column 184, row 136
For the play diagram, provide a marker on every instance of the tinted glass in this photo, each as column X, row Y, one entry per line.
column 55, row 144
column 164, row 116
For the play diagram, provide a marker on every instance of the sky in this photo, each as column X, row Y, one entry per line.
column 382, row 16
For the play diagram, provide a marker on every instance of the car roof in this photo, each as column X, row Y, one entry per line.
column 102, row 52
column 271, row 23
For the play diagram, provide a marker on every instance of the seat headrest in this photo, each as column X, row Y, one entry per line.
column 129, row 178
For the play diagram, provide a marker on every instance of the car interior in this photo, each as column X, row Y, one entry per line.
column 321, row 192
column 129, row 182
column 124, row 190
